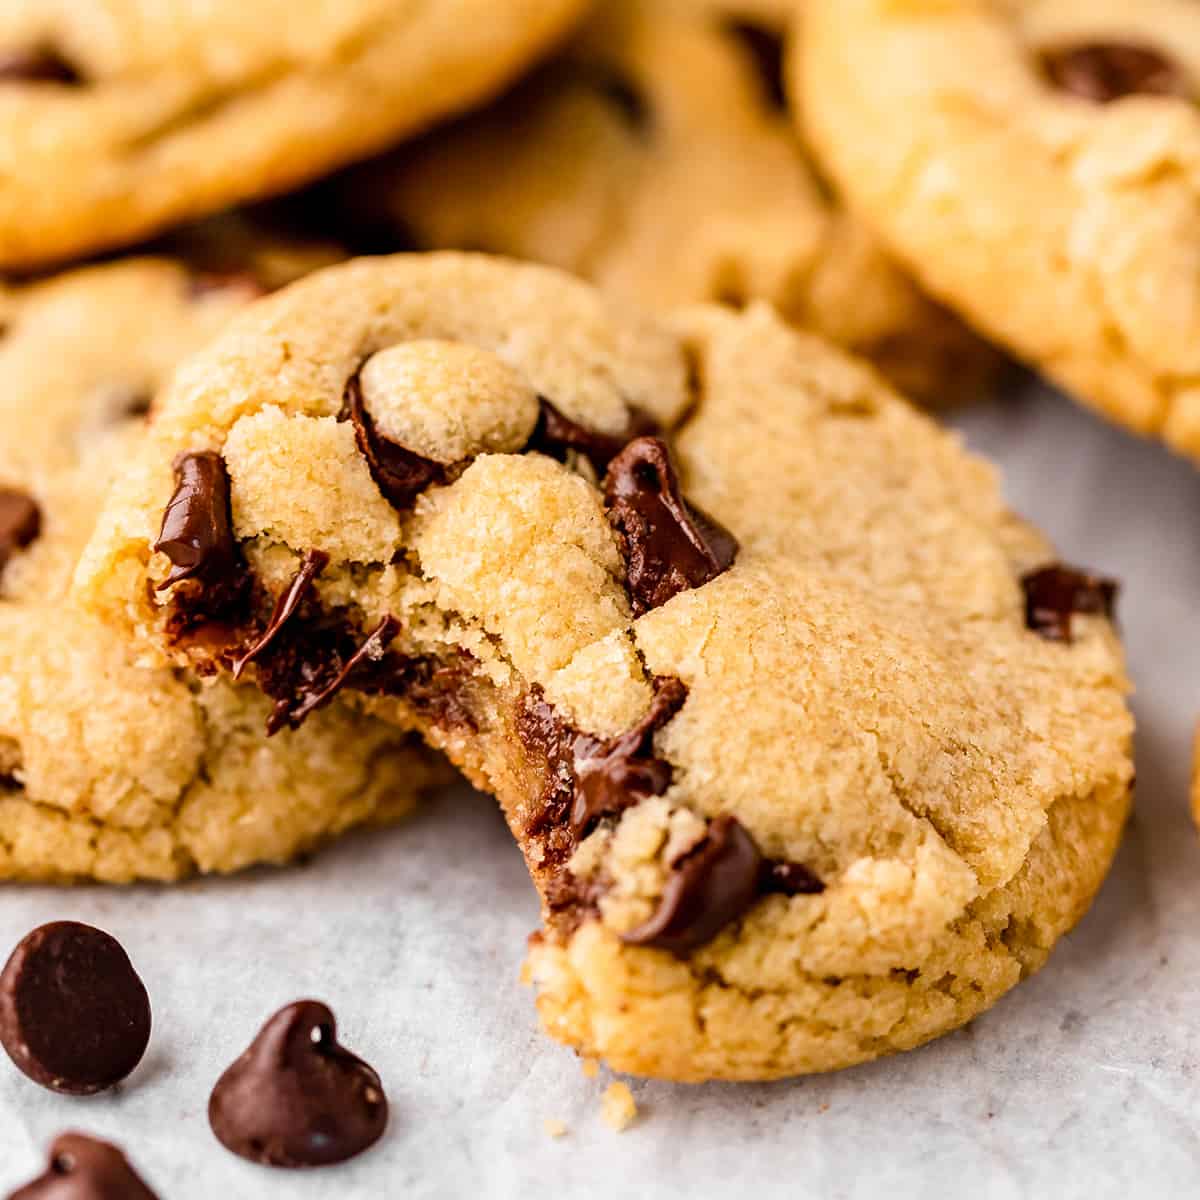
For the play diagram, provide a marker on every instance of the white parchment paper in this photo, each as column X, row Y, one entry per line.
column 1083, row 1082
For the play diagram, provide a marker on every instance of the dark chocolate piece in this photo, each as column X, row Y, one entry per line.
column 1106, row 71
column 84, row 1168
column 1055, row 593
column 296, row 1098
column 668, row 545
column 312, row 682
column 555, row 434
column 315, row 561
column 715, row 883
column 37, row 65
column 623, row 771
column 74, row 1016
column 20, row 522
column 197, row 528
column 765, row 48
column 399, row 473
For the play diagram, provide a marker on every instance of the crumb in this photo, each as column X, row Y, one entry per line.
column 590, row 1066
column 823, row 1109
column 526, row 975
column 617, row 1106
column 555, row 1129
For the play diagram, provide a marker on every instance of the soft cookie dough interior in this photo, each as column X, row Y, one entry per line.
column 807, row 761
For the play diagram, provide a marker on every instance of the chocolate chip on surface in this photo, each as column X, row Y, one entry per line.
column 712, row 885
column 84, row 1168
column 556, row 433
column 1106, row 71
column 668, row 545
column 399, row 474
column 765, row 49
column 789, row 879
column 619, row 773
column 296, row 1098
column 37, row 65
column 74, row 1016
column 314, row 562
column 20, row 522
column 197, row 528
column 1054, row 594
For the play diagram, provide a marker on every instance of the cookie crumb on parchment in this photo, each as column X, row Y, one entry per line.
column 617, row 1107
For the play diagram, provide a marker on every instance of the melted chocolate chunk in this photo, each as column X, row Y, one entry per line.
column 623, row 771
column 765, row 48
column 296, row 1098
column 668, row 545
column 307, row 672
column 399, row 473
column 715, row 883
column 197, row 528
column 1054, row 594
column 315, row 561
column 555, row 434
column 84, row 1168
column 74, row 1016
column 38, row 65
column 1106, row 71
column 20, row 523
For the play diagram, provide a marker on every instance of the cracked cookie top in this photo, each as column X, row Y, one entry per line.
column 1037, row 164
column 117, row 119
column 109, row 769
column 655, row 157
column 774, row 660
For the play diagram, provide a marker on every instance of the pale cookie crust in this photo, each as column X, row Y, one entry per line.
column 655, row 157
column 119, row 119
column 1066, row 228
column 859, row 689
column 109, row 770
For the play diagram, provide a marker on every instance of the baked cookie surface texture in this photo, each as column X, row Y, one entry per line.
column 810, row 751
column 1036, row 163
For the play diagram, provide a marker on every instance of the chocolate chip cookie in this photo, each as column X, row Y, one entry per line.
column 812, row 748
column 1034, row 163
column 656, row 158
column 117, row 120
column 108, row 769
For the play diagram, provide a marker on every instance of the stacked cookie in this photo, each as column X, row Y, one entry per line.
column 811, row 746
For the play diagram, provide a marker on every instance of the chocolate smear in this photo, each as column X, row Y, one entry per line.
column 74, row 1016
column 314, row 562
column 668, row 545
column 20, row 522
column 715, row 883
column 197, row 526
column 399, row 473
column 555, row 434
column 37, row 65
column 1106, row 71
column 296, row 1098
column 619, row 773
column 1054, row 594
column 84, row 1168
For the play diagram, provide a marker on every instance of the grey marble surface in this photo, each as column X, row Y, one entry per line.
column 1082, row 1083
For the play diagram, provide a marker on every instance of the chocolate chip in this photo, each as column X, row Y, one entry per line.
column 314, row 562
column 296, row 1098
column 83, row 1168
column 20, row 523
column 399, row 473
column 623, row 771
column 1108, row 71
column 37, row 65
column 668, row 545
column 714, row 884
column 74, row 1016
column 765, row 48
column 1055, row 593
column 197, row 528
column 311, row 680
column 555, row 434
